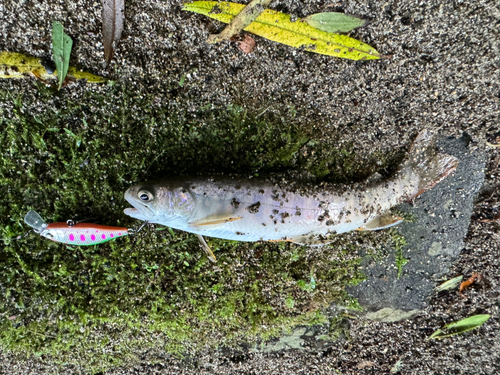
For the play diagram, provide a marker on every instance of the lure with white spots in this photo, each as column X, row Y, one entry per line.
column 257, row 210
column 80, row 234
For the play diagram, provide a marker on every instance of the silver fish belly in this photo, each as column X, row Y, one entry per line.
column 264, row 210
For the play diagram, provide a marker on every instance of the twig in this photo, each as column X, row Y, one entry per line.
column 242, row 20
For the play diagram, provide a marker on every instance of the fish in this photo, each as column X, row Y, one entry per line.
column 71, row 233
column 236, row 208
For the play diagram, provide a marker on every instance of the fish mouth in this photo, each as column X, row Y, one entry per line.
column 136, row 214
column 139, row 211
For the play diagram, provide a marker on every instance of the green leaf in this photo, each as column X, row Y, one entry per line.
column 61, row 49
column 70, row 133
column 333, row 22
column 450, row 284
column 278, row 27
column 464, row 325
column 78, row 74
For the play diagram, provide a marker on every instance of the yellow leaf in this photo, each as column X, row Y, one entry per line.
column 74, row 72
column 17, row 65
column 277, row 27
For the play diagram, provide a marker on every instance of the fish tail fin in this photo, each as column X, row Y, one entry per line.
column 431, row 166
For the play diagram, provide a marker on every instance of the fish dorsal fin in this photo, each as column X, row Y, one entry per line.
column 381, row 222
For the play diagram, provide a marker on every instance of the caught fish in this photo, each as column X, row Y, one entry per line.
column 82, row 234
column 253, row 210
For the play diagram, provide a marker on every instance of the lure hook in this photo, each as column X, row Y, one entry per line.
column 135, row 231
column 20, row 237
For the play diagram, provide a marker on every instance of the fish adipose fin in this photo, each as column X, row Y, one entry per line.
column 431, row 166
column 381, row 222
column 213, row 222
column 207, row 249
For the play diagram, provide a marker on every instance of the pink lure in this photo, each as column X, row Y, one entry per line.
column 82, row 234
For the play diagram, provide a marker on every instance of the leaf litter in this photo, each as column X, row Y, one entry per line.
column 247, row 45
column 18, row 65
column 278, row 27
column 449, row 284
column 112, row 25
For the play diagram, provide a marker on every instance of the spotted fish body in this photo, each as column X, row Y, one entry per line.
column 82, row 234
column 252, row 210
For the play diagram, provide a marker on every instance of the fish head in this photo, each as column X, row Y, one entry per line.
column 159, row 202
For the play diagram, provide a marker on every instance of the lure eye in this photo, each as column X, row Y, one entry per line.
column 145, row 196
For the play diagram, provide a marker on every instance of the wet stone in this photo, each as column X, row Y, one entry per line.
column 434, row 240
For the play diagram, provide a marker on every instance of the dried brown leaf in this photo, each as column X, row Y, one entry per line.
column 112, row 25
column 476, row 277
column 247, row 45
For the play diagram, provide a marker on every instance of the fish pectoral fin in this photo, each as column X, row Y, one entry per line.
column 214, row 221
column 310, row 239
column 381, row 222
column 207, row 249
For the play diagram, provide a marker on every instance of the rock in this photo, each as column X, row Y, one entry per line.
column 434, row 241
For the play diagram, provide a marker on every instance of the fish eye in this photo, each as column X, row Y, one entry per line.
column 145, row 196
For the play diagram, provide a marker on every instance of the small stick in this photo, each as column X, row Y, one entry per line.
column 496, row 218
column 242, row 20
column 494, row 145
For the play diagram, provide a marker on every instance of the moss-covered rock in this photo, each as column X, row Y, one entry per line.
column 101, row 306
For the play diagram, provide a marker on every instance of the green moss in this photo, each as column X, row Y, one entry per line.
column 407, row 217
column 100, row 307
column 399, row 243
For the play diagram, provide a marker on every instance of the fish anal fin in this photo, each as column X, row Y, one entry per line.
column 207, row 249
column 381, row 222
column 214, row 222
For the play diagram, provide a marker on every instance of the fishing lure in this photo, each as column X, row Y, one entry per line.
column 71, row 233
